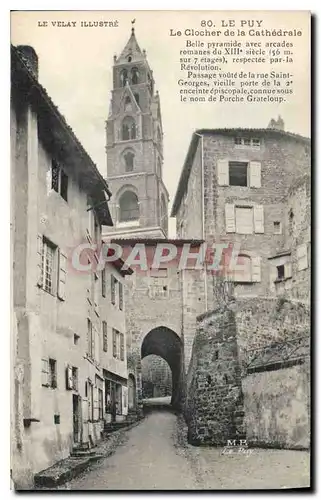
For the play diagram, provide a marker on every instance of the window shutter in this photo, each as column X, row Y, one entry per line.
column 49, row 180
column 256, row 269
column 122, row 347
column 69, row 379
column 45, row 372
column 222, row 172
column 302, row 257
column 258, row 219
column 288, row 270
column 229, row 218
column 114, row 344
column 39, row 260
column 62, row 276
column 121, row 296
column 255, row 174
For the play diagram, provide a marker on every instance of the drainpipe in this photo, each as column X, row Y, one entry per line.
column 203, row 215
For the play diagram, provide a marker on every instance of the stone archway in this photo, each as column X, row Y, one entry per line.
column 164, row 342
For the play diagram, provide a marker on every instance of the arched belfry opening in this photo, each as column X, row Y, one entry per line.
column 164, row 342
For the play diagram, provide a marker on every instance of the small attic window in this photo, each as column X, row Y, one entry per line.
column 129, row 58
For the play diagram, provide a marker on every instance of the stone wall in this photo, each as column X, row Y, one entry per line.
column 214, row 381
column 156, row 377
column 276, row 406
column 250, row 358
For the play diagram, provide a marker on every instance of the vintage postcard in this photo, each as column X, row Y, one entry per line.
column 161, row 250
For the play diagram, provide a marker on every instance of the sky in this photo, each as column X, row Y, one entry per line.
column 75, row 67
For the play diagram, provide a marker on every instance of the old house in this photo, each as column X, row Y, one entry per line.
column 69, row 337
column 239, row 184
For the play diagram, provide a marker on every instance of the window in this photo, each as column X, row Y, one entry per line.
column 74, row 378
column 113, row 282
column 244, row 220
column 105, row 337
column 114, row 343
column 121, row 296
column 247, row 142
column 48, row 253
column 277, row 227
column 103, row 282
column 52, row 373
column 129, row 161
column 76, row 339
column 238, row 173
column 244, row 269
column 122, row 346
column 90, row 338
column 128, row 207
column 100, row 404
column 136, row 98
column 128, row 129
column 123, row 77
column 280, row 272
column 135, row 76
column 59, row 180
column 128, row 103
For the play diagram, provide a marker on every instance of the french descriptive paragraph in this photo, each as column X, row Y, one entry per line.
column 236, row 65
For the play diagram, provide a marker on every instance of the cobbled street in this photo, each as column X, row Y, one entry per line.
column 154, row 455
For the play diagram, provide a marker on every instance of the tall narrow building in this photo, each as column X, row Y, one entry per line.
column 139, row 205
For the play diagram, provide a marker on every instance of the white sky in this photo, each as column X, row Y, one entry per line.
column 75, row 66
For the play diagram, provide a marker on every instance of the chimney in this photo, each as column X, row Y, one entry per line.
column 277, row 125
column 30, row 58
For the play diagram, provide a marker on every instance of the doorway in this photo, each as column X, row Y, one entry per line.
column 76, row 417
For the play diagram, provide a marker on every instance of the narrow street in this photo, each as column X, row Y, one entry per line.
column 155, row 456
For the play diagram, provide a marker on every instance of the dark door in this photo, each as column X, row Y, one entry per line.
column 75, row 414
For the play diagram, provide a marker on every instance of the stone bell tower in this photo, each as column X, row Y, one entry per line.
column 139, row 205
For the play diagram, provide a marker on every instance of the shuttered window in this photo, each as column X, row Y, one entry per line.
column 62, row 273
column 121, row 296
column 114, row 343
column 244, row 220
column 105, row 337
column 122, row 347
column 113, row 282
column 248, row 269
column 103, row 282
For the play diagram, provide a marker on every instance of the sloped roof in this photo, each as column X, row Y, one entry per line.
column 132, row 50
column 55, row 131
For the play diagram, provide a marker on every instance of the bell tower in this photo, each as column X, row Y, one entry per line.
column 134, row 146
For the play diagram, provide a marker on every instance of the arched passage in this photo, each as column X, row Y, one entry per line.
column 164, row 342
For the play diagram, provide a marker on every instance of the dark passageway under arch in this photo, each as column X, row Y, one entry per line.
column 164, row 342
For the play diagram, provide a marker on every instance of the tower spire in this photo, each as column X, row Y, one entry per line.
column 133, row 27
